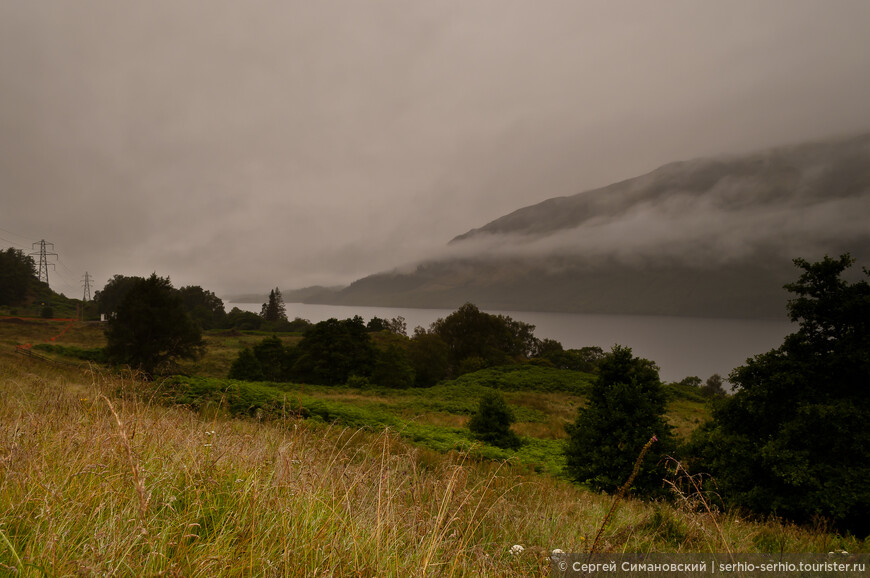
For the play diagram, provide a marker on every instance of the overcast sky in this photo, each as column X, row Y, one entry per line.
column 246, row 145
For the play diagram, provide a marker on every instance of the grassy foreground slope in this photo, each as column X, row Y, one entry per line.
column 543, row 399
column 97, row 478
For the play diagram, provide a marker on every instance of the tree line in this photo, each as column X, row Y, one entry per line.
column 206, row 308
column 349, row 351
column 151, row 325
column 17, row 277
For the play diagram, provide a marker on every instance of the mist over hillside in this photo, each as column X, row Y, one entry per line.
column 706, row 237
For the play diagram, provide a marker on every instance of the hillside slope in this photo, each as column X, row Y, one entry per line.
column 706, row 237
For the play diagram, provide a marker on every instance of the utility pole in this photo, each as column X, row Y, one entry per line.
column 86, row 283
column 43, row 259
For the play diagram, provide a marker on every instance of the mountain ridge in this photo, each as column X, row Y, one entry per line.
column 710, row 237
column 690, row 176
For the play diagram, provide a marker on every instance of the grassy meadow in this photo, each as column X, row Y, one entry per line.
column 104, row 474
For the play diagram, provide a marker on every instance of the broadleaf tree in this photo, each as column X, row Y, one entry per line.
column 110, row 297
column 794, row 439
column 204, row 306
column 332, row 351
column 152, row 328
column 478, row 339
column 17, row 276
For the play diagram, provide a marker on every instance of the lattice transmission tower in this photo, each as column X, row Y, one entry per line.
column 43, row 259
column 86, row 284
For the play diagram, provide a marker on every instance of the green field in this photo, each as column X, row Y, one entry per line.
column 544, row 400
column 102, row 473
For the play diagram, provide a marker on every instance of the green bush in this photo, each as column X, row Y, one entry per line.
column 268, row 360
column 392, row 368
column 333, row 350
column 246, row 367
column 96, row 355
column 238, row 398
column 528, row 377
column 491, row 423
column 626, row 409
column 152, row 328
column 794, row 440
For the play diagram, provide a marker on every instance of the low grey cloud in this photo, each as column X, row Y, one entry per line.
column 800, row 201
column 243, row 146
column 695, row 232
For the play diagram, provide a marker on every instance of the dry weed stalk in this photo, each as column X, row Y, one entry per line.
column 442, row 521
column 687, row 488
column 621, row 493
column 137, row 479
column 476, row 519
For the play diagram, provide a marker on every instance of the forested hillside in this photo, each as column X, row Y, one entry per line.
column 706, row 237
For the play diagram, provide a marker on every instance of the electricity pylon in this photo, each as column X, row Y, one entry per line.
column 86, row 283
column 43, row 259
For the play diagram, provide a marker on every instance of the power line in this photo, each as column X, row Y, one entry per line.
column 62, row 264
column 19, row 244
column 11, row 242
column 14, row 234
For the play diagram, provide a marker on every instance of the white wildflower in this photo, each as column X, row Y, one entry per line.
column 516, row 550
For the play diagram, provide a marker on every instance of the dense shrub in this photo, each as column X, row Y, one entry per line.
column 246, row 367
column 268, row 360
column 152, row 328
column 794, row 439
column 333, row 350
column 392, row 368
column 585, row 359
column 476, row 339
column 491, row 423
column 17, row 276
column 626, row 409
column 243, row 320
column 429, row 357
column 528, row 377
column 96, row 355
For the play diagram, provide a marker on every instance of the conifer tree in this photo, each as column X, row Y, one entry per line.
column 274, row 310
column 626, row 409
column 492, row 422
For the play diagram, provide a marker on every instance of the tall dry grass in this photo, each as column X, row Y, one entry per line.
column 96, row 479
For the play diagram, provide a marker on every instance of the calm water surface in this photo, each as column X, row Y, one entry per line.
column 681, row 346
